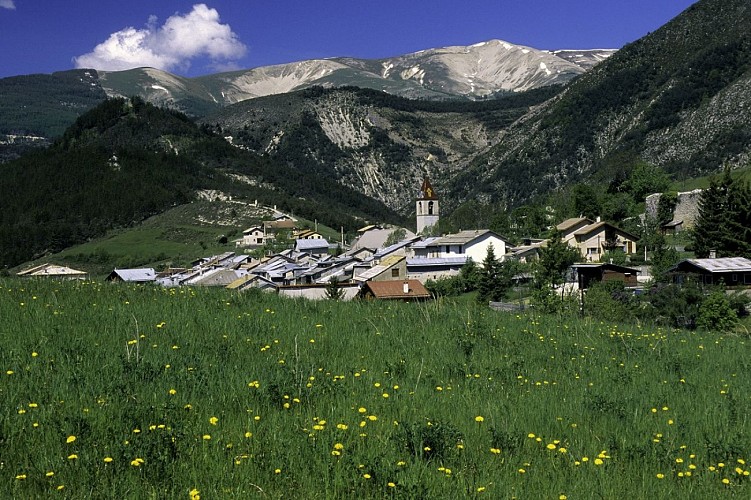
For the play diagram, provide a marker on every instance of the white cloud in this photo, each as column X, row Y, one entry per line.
column 7, row 4
column 168, row 47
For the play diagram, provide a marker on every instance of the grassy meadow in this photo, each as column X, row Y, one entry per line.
column 143, row 392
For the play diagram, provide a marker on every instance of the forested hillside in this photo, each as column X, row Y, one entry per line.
column 126, row 160
column 679, row 98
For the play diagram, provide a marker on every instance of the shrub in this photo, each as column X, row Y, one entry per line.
column 716, row 313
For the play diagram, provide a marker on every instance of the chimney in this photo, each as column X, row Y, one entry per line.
column 713, row 254
column 406, row 288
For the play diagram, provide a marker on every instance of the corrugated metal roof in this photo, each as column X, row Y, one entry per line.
column 726, row 264
column 425, row 243
column 311, row 244
column 136, row 275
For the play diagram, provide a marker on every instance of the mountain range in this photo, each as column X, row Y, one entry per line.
column 492, row 123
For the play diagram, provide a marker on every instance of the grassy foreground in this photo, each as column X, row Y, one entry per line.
column 142, row 392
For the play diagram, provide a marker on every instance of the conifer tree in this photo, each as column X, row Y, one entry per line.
column 333, row 290
column 488, row 282
column 555, row 259
column 724, row 218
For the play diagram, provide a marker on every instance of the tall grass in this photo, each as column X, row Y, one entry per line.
column 168, row 391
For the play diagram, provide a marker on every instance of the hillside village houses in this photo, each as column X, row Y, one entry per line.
column 307, row 268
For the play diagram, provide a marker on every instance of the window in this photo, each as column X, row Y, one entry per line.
column 430, row 208
column 592, row 251
column 395, row 273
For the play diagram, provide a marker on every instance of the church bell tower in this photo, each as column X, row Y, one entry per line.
column 426, row 207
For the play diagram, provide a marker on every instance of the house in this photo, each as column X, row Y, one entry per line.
column 318, row 246
column 53, row 271
column 407, row 290
column 464, row 244
column 426, row 268
column 529, row 251
column 254, row 236
column 317, row 291
column 401, row 248
column 308, row 234
column 393, row 267
column 730, row 271
column 586, row 274
column 282, row 224
column 251, row 281
column 594, row 238
column 375, row 237
column 143, row 275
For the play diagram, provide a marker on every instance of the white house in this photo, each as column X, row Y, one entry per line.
column 465, row 244
column 252, row 237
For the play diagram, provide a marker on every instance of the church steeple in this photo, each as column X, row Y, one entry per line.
column 426, row 207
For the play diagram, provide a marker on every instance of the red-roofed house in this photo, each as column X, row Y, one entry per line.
column 406, row 290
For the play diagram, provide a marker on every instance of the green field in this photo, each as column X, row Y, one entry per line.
column 143, row 392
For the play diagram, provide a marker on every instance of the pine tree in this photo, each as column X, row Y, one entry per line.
column 488, row 277
column 724, row 218
column 333, row 290
column 555, row 259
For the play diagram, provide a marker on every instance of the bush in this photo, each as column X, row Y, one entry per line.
column 716, row 313
column 610, row 301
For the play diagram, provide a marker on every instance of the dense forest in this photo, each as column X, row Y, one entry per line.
column 126, row 160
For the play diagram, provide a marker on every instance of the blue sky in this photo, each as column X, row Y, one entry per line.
column 193, row 38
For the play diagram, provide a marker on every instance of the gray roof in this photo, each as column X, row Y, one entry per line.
column 426, row 242
column 136, row 275
column 463, row 237
column 302, row 245
column 396, row 246
column 722, row 265
column 449, row 261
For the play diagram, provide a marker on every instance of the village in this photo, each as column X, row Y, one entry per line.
column 392, row 263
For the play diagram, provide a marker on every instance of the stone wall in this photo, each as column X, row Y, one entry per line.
column 687, row 208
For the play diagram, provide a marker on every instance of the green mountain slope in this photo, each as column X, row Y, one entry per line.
column 679, row 98
column 127, row 160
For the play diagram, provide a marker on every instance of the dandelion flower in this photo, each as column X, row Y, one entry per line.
column 49, row 474
column 206, row 437
column 479, row 418
column 70, row 439
column 213, row 420
column 73, row 457
column 107, row 460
